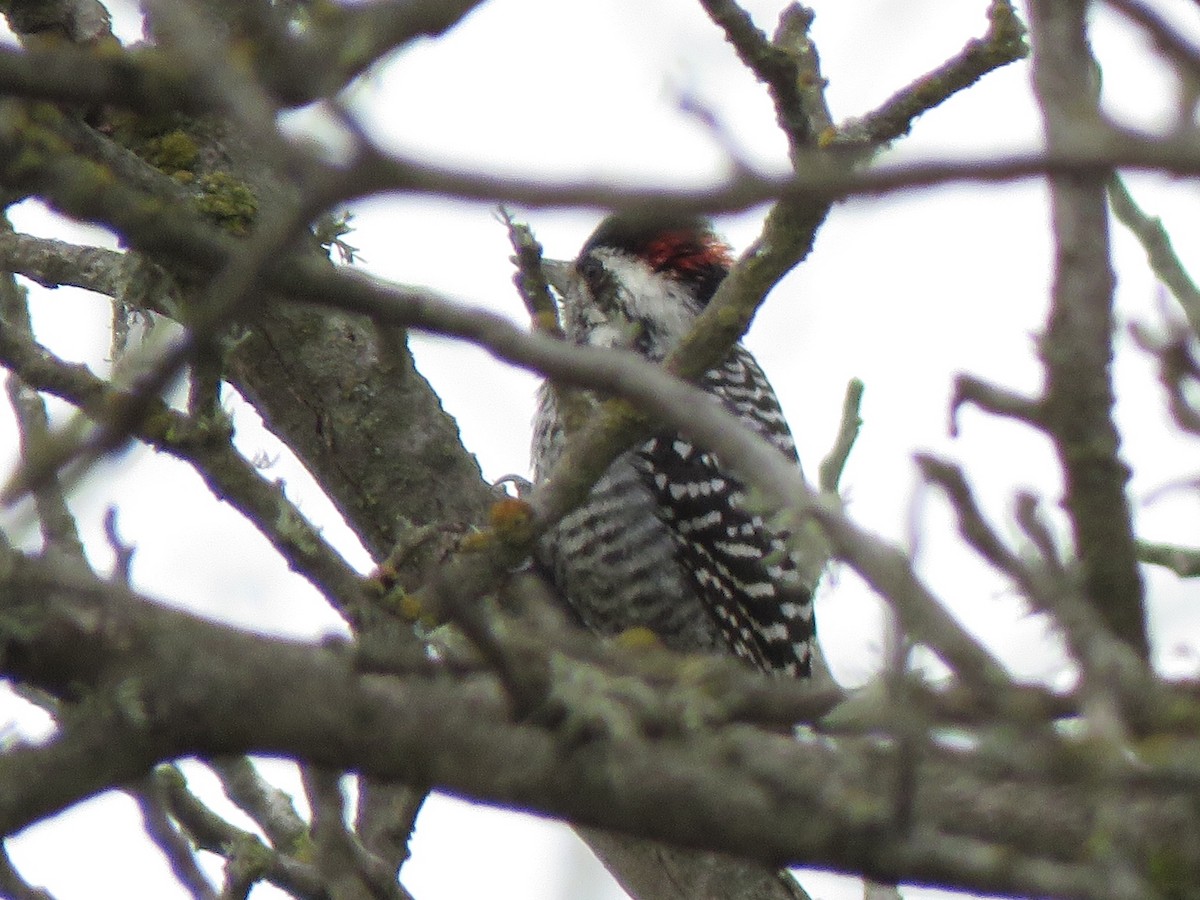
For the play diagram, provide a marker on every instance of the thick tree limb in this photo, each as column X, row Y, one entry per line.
column 1076, row 348
column 179, row 685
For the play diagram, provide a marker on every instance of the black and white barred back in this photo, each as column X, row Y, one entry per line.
column 664, row 540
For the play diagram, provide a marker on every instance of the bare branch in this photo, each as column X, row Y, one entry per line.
column 1183, row 561
column 270, row 808
column 1177, row 368
column 1076, row 348
column 1004, row 43
column 779, row 67
column 994, row 399
column 387, row 814
column 122, row 552
column 205, row 444
column 53, row 263
column 830, row 472
column 530, row 279
column 533, row 284
column 297, row 66
column 1027, row 512
column 346, row 867
column 248, row 858
column 1108, row 665
column 701, row 790
column 1164, row 262
column 59, row 531
column 1166, row 37
column 174, row 846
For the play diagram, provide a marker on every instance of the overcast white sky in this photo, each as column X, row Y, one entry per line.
column 902, row 293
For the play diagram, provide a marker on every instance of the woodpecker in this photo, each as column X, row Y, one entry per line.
column 666, row 540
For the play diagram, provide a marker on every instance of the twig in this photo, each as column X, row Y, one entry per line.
column 351, row 871
column 248, row 857
column 1027, row 512
column 206, row 446
column 776, row 66
column 994, row 399
column 830, row 471
column 1166, row 37
column 921, row 615
column 971, row 524
column 174, row 846
column 1177, row 368
column 533, row 284
column 1004, row 43
column 58, row 527
column 1183, row 561
column 387, row 815
column 270, row 808
column 122, row 552
column 1108, row 665
column 1164, row 262
column 530, row 279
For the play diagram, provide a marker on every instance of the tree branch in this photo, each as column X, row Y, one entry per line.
column 162, row 831
column 248, row 859
column 206, row 445
column 1076, row 348
column 830, row 472
column 183, row 693
column 1183, row 561
column 1164, row 262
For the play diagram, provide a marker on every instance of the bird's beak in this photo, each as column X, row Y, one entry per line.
column 558, row 274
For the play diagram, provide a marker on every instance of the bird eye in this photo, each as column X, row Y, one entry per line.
column 592, row 270
column 594, row 274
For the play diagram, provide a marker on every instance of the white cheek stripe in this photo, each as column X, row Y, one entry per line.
column 645, row 296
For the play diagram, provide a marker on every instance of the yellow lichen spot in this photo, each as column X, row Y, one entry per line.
column 409, row 606
column 27, row 161
column 45, row 114
column 252, row 855
column 827, row 136
column 100, row 175
column 475, row 542
column 228, row 201
column 638, row 638
column 172, row 152
column 511, row 517
column 108, row 47
column 383, row 579
column 304, row 848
